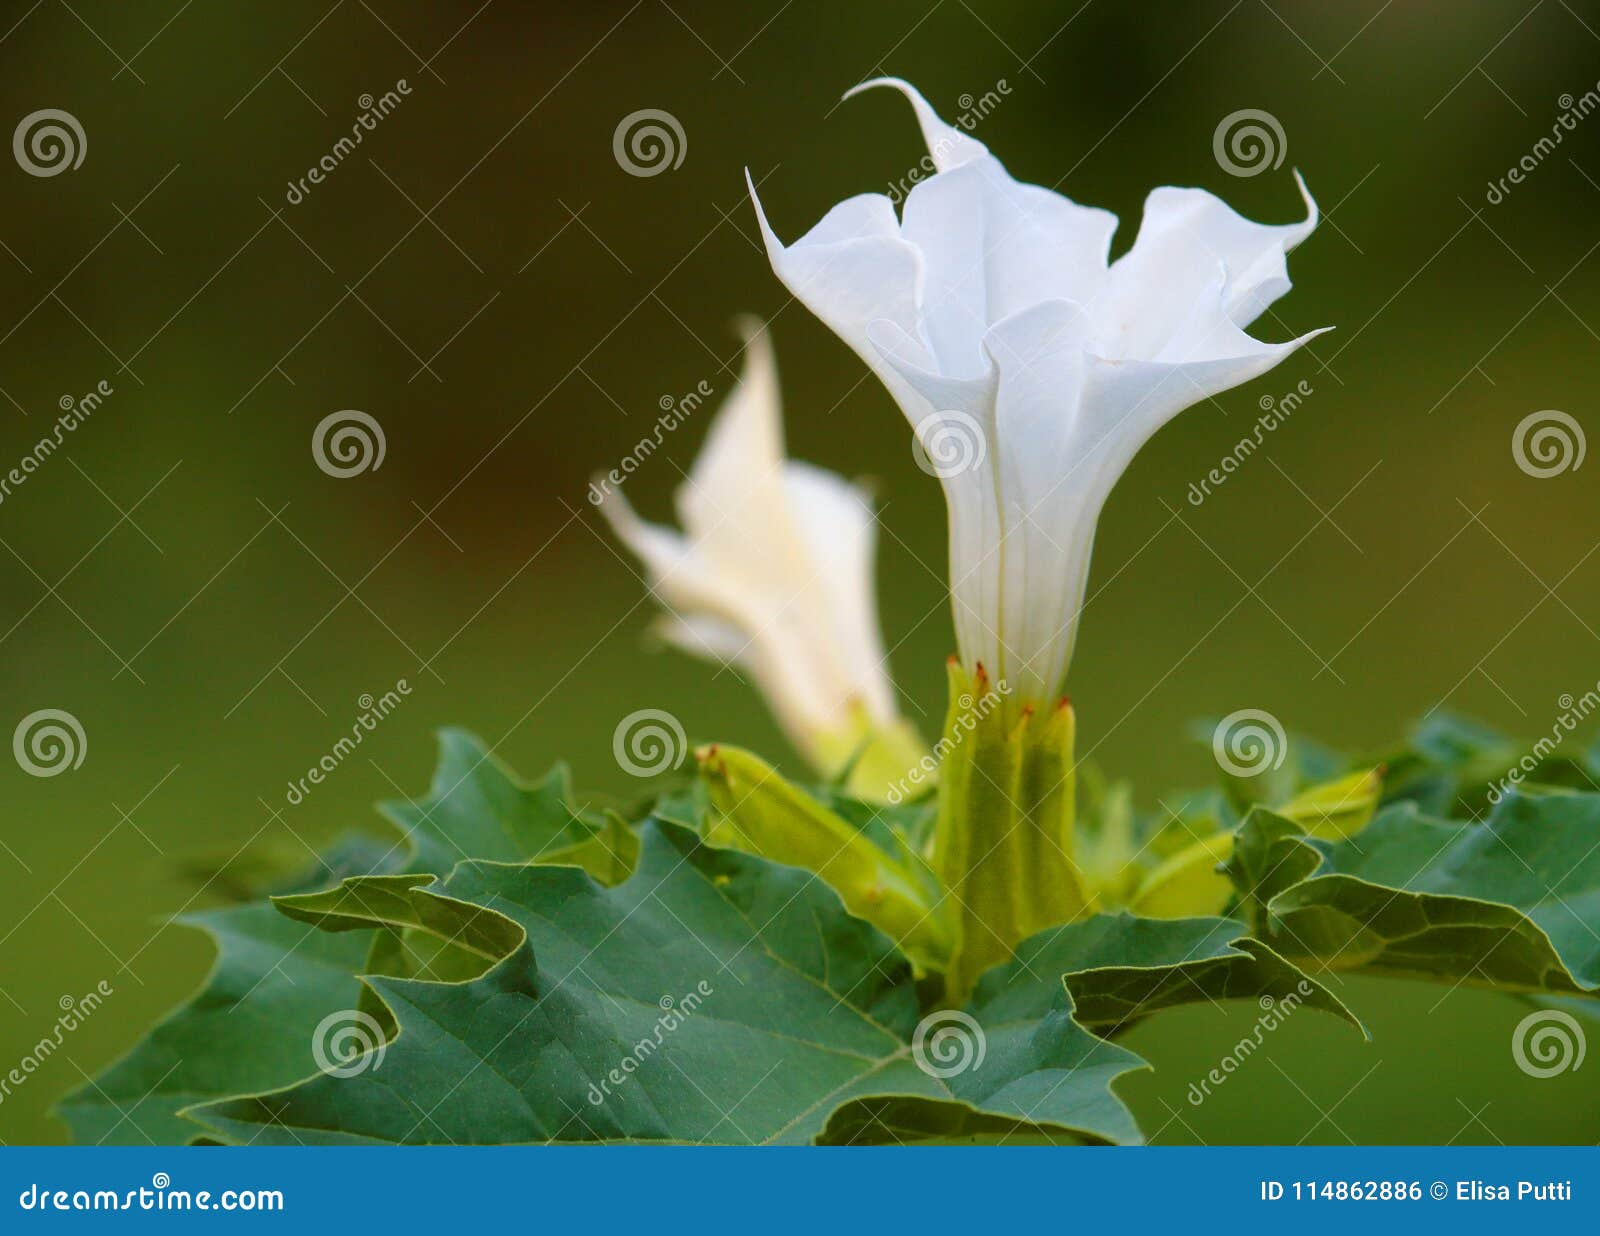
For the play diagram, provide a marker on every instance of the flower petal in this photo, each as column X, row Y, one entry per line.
column 851, row 269
column 1126, row 401
column 774, row 572
column 1051, row 488
column 836, row 520
column 1188, row 230
column 992, row 247
column 953, row 419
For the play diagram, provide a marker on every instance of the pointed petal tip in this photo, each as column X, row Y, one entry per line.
column 748, row 326
column 949, row 146
column 894, row 83
column 616, row 509
column 1313, row 215
column 869, row 487
column 768, row 236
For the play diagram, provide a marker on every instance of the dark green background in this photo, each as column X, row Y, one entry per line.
column 559, row 300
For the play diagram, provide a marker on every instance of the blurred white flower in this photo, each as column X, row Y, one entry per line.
column 990, row 307
column 774, row 573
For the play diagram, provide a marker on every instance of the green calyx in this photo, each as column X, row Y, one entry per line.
column 1003, row 841
column 754, row 809
column 869, row 758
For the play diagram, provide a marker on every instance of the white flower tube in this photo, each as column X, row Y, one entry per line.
column 1031, row 368
column 773, row 572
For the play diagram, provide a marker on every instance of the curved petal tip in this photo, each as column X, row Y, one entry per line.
column 768, row 236
column 896, row 83
column 1313, row 215
column 748, row 326
column 948, row 145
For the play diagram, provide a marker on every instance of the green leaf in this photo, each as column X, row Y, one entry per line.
column 748, row 1005
column 1455, row 768
column 461, row 940
column 943, row 1122
column 1508, row 902
column 477, row 808
column 1119, row 967
column 249, row 1028
column 1114, row 969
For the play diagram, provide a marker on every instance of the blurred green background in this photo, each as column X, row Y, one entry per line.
column 482, row 278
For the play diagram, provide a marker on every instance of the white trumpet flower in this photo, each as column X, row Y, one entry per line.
column 774, row 573
column 1031, row 368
